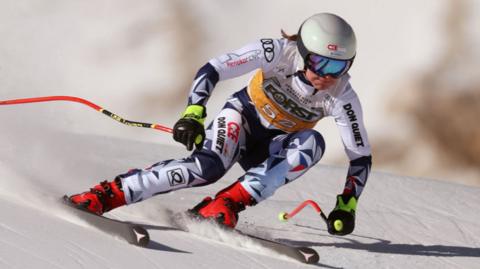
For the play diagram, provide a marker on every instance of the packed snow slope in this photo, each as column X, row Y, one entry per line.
column 402, row 222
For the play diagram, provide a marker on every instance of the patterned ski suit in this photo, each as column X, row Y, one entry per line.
column 267, row 127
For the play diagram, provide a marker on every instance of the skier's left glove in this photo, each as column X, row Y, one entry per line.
column 189, row 129
column 341, row 221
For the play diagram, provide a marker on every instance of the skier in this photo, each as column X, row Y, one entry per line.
column 267, row 127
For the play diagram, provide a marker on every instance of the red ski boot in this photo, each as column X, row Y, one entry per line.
column 225, row 207
column 101, row 198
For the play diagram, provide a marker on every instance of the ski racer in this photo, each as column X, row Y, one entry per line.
column 267, row 127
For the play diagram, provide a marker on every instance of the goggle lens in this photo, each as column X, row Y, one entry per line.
column 324, row 66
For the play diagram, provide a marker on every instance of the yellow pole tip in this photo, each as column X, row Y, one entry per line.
column 283, row 216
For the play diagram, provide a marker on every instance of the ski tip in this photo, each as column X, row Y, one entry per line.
column 141, row 236
column 310, row 255
column 132, row 233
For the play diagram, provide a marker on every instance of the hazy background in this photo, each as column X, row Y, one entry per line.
column 417, row 69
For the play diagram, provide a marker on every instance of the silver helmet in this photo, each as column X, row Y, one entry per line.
column 327, row 35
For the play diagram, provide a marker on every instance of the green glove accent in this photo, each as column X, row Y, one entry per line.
column 349, row 207
column 190, row 130
column 196, row 112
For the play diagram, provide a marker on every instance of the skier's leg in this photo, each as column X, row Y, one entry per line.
column 201, row 168
column 220, row 150
column 290, row 157
column 224, row 139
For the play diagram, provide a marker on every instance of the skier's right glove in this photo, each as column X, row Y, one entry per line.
column 341, row 221
column 189, row 129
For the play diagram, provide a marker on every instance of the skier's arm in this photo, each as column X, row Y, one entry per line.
column 349, row 120
column 258, row 54
column 189, row 130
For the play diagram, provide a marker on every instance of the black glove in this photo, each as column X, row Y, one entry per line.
column 341, row 221
column 189, row 129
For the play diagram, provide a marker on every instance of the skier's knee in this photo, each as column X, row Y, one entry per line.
column 211, row 165
column 310, row 139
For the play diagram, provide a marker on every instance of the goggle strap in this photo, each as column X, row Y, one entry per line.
column 301, row 47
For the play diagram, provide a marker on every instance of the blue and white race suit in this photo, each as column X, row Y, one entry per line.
column 267, row 127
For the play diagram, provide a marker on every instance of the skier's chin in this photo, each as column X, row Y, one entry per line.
column 321, row 86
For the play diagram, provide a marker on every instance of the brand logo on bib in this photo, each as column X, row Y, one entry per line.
column 289, row 104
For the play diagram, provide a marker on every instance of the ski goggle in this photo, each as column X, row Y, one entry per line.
column 324, row 66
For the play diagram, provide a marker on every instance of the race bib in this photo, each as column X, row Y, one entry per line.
column 278, row 108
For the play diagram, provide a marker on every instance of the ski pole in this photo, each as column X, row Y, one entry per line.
column 90, row 104
column 284, row 216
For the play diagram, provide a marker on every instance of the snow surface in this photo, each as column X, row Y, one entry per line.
column 402, row 222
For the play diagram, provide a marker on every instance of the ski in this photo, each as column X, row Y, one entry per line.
column 302, row 254
column 132, row 233
column 138, row 235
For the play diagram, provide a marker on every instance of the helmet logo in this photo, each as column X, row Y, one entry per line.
column 335, row 50
column 332, row 47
